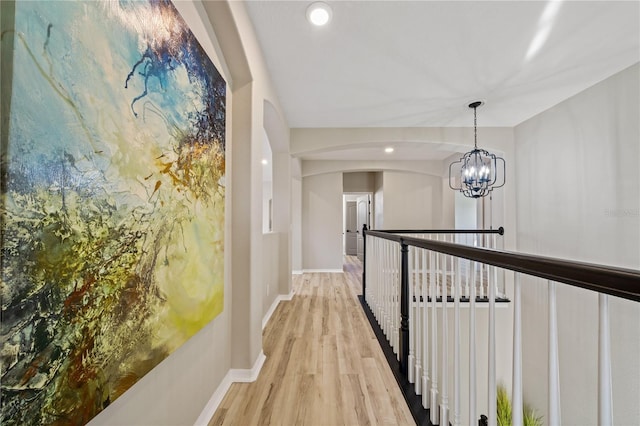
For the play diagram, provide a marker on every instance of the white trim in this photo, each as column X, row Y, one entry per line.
column 215, row 400
column 242, row 375
column 287, row 296
column 232, row 376
column 279, row 298
column 325, row 271
column 297, row 272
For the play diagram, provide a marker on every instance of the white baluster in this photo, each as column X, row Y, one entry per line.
column 434, row 414
column 472, row 349
column 370, row 293
column 383, row 271
column 516, row 395
column 379, row 270
column 467, row 274
column 426, row 372
column 391, row 310
column 418, row 323
column 381, row 279
column 438, row 273
column 385, row 288
column 392, row 300
column 395, row 323
column 483, row 268
column 492, row 403
column 555, row 417
column 396, row 327
column 605, row 397
column 412, row 307
column 371, row 287
column 421, row 389
column 444, row 398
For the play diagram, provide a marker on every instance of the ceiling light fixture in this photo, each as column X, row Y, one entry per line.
column 388, row 150
column 319, row 13
column 477, row 173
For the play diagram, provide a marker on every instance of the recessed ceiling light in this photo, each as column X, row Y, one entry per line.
column 264, row 161
column 388, row 150
column 319, row 13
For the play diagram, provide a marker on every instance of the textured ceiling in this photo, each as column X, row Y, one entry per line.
column 419, row 63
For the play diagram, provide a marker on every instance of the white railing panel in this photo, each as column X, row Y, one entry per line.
column 458, row 287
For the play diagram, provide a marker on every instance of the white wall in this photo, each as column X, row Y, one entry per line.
column 282, row 219
column 322, row 222
column 267, row 195
column 296, row 224
column 259, row 111
column 267, row 184
column 448, row 207
column 358, row 182
column 578, row 197
column 412, row 201
column 270, row 269
column 466, row 212
column 378, row 202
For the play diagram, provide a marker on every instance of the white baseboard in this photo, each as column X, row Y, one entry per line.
column 215, row 400
column 325, row 271
column 274, row 305
column 242, row 375
column 296, row 272
column 234, row 375
column 287, row 296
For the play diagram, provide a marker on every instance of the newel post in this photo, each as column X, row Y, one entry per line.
column 364, row 261
column 404, row 308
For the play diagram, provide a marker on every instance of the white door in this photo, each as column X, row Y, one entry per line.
column 363, row 218
column 351, row 242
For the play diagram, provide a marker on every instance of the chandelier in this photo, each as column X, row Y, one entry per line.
column 478, row 172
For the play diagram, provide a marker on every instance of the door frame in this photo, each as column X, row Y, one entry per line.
column 354, row 195
column 350, row 236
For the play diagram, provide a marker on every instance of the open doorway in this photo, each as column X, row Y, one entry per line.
column 357, row 212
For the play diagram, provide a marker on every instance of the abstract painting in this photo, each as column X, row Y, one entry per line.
column 113, row 200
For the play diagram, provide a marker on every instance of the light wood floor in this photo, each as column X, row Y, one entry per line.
column 324, row 365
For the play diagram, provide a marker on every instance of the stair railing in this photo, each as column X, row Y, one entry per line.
column 409, row 275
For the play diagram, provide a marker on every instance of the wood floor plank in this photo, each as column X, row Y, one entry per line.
column 324, row 365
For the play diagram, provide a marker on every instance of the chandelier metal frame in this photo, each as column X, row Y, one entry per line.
column 478, row 173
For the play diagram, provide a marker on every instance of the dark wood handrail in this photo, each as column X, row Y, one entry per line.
column 620, row 282
column 499, row 231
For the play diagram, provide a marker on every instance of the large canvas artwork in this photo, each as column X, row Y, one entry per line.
column 113, row 200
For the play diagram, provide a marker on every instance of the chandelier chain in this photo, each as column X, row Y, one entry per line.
column 475, row 128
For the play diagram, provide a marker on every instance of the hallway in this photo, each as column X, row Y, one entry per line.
column 324, row 365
